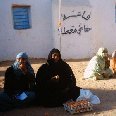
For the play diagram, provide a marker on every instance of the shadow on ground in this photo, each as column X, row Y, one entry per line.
column 107, row 103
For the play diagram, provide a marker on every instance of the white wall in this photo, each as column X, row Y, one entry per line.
column 37, row 41
column 44, row 35
column 102, row 23
column 104, row 30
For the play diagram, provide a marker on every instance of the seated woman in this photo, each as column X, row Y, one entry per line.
column 19, row 84
column 56, row 82
column 113, row 63
column 98, row 66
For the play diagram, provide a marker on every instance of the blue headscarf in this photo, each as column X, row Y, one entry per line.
column 16, row 64
column 22, row 55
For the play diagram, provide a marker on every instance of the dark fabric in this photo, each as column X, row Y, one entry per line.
column 54, row 92
column 7, row 103
column 54, row 50
column 17, row 84
column 18, row 72
column 14, row 85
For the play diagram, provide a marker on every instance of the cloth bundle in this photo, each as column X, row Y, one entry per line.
column 78, row 106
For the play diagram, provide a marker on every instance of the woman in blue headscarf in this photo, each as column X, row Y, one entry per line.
column 19, row 84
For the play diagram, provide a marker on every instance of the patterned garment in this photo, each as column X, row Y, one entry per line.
column 114, row 54
column 113, row 63
column 98, row 66
column 78, row 106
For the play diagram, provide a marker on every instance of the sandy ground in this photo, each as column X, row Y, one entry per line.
column 104, row 89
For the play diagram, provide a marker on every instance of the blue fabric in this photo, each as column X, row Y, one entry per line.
column 22, row 55
column 21, row 96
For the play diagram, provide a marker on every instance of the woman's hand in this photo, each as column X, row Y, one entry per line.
column 55, row 78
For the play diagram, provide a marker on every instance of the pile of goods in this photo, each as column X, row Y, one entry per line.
column 78, row 106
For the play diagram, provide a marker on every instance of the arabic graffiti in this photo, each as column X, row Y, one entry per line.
column 75, row 30
column 83, row 15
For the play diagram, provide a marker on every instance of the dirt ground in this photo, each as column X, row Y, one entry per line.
column 104, row 89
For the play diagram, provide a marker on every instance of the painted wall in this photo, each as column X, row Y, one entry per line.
column 37, row 41
column 104, row 30
column 86, row 26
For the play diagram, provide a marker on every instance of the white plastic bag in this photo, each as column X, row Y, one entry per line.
column 94, row 99
column 87, row 94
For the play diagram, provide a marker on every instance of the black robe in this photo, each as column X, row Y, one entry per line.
column 54, row 92
column 14, row 85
